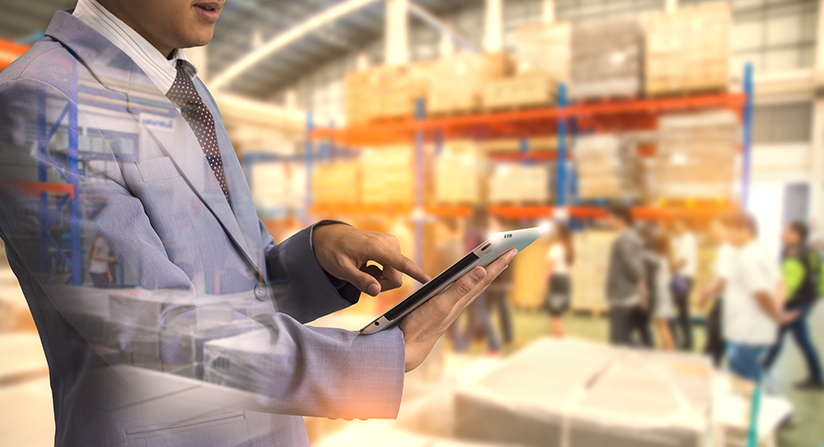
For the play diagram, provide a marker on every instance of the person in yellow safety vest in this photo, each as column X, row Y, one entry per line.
column 801, row 271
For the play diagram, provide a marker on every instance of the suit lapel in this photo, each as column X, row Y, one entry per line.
column 115, row 71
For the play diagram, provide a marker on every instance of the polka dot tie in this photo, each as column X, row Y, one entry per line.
column 184, row 96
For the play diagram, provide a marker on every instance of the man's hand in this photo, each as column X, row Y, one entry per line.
column 343, row 252
column 423, row 326
column 788, row 317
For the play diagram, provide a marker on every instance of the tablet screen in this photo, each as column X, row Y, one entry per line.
column 433, row 284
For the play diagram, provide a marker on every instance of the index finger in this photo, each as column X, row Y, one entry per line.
column 399, row 262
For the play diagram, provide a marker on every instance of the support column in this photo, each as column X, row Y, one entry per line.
column 446, row 46
column 397, row 33
column 494, row 35
column 671, row 6
column 817, row 143
column 548, row 11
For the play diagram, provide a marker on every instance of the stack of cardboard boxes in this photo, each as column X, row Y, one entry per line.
column 608, row 167
column 607, row 58
column 589, row 272
column 457, row 174
column 517, row 183
column 387, row 176
column 457, row 82
column 697, row 156
column 688, row 51
column 384, row 92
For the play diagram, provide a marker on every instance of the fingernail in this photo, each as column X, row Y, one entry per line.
column 373, row 290
column 479, row 273
column 512, row 254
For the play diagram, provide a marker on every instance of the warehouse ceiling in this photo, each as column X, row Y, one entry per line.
column 243, row 26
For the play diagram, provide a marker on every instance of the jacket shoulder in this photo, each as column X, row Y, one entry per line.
column 47, row 61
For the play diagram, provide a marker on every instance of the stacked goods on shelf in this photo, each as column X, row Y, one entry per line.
column 518, row 183
column 697, row 156
column 589, row 272
column 457, row 82
column 543, row 48
column 523, row 90
column 457, row 171
column 387, row 176
column 534, row 144
column 608, row 168
column 606, row 58
column 383, row 92
column 688, row 51
column 705, row 271
column 277, row 187
column 336, row 183
column 529, row 272
column 568, row 392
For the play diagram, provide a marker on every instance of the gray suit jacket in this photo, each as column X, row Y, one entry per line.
column 214, row 298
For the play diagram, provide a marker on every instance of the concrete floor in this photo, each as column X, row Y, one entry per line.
column 806, row 431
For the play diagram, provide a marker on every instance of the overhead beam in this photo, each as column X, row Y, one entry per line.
column 286, row 38
column 442, row 27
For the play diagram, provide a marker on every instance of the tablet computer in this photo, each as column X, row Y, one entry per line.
column 483, row 255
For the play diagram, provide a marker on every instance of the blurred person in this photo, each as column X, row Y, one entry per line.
column 752, row 312
column 448, row 250
column 659, row 279
column 174, row 195
column 100, row 261
column 801, row 271
column 710, row 296
column 625, row 286
column 479, row 325
column 559, row 257
column 497, row 295
column 685, row 254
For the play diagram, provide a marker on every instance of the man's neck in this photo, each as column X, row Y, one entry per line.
column 114, row 7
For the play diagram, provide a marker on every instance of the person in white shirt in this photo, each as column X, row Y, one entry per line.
column 99, row 260
column 559, row 257
column 752, row 312
column 710, row 295
column 685, row 258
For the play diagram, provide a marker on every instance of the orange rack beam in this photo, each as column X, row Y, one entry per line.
column 594, row 212
column 9, row 52
column 27, row 187
column 369, row 210
column 634, row 114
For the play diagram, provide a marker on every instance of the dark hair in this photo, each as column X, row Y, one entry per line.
column 801, row 229
column 621, row 211
column 740, row 220
column 564, row 235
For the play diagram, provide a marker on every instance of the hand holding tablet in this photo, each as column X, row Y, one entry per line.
column 426, row 314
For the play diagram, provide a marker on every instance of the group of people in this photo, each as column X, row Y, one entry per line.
column 754, row 300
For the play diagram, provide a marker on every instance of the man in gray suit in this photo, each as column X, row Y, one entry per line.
column 106, row 129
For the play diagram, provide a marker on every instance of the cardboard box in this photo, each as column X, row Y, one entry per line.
column 544, row 48
column 523, row 91
column 387, row 175
column 457, row 173
column 606, row 58
column 456, row 82
column 514, row 183
column 336, row 183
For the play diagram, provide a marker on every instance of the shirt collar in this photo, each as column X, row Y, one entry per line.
column 160, row 70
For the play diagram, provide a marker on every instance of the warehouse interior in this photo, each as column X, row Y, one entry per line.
column 442, row 121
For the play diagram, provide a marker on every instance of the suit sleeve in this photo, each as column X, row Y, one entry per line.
column 310, row 292
column 298, row 370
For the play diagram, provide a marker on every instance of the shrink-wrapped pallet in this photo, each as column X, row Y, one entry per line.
column 522, row 91
column 579, row 394
column 589, row 272
column 515, row 183
column 336, row 183
column 606, row 58
column 688, row 50
column 457, row 174
column 387, row 176
column 697, row 156
column 545, row 48
column 608, row 168
column 457, row 82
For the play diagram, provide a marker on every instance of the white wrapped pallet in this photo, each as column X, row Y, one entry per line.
column 580, row 394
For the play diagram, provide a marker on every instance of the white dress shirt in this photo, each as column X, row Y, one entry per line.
column 160, row 70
